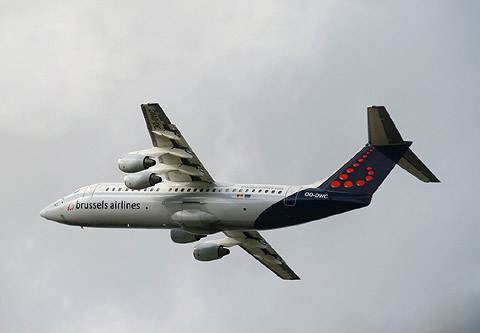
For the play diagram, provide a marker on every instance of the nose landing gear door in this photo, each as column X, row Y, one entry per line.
column 291, row 196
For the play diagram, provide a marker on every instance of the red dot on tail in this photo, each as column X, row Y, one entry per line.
column 364, row 156
column 369, row 178
column 335, row 184
column 371, row 172
column 355, row 164
column 350, row 170
column 360, row 159
column 343, row 176
column 369, row 168
column 360, row 183
column 348, row 184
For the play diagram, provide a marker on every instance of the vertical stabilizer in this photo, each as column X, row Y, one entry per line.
column 366, row 171
column 381, row 129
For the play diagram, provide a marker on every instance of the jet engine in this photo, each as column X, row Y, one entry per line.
column 134, row 162
column 208, row 251
column 141, row 180
column 183, row 237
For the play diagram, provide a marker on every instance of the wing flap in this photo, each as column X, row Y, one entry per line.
column 177, row 159
column 254, row 244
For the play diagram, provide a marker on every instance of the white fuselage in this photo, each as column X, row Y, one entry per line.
column 198, row 207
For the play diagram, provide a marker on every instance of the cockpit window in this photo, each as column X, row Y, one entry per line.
column 58, row 202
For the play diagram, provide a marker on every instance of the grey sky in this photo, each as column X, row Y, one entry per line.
column 265, row 92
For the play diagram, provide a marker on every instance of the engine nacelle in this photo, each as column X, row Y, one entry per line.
column 141, row 180
column 183, row 237
column 134, row 163
column 208, row 251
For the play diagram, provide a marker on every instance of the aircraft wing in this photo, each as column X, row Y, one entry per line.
column 257, row 246
column 177, row 161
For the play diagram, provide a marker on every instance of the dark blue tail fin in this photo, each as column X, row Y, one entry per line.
column 366, row 171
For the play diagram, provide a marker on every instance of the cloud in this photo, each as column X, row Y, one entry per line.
column 265, row 93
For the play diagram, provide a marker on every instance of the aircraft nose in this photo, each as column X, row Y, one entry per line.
column 47, row 213
column 44, row 213
column 52, row 213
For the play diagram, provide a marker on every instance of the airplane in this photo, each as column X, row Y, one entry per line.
column 167, row 187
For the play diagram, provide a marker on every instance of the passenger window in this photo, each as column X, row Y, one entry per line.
column 273, row 191
column 188, row 190
column 169, row 190
column 113, row 189
column 176, row 190
column 279, row 192
column 158, row 189
column 201, row 190
column 212, row 190
column 182, row 190
column 227, row 190
column 266, row 191
column 240, row 190
column 194, row 190
column 219, row 190
column 253, row 190
column 259, row 191
column 107, row 189
column 234, row 190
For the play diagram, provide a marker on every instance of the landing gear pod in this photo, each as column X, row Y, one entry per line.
column 183, row 237
column 131, row 163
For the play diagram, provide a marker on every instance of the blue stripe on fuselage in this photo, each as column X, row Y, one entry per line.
column 309, row 205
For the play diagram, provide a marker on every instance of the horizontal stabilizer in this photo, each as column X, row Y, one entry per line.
column 411, row 163
column 366, row 170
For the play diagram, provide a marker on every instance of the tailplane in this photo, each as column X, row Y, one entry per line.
column 367, row 170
